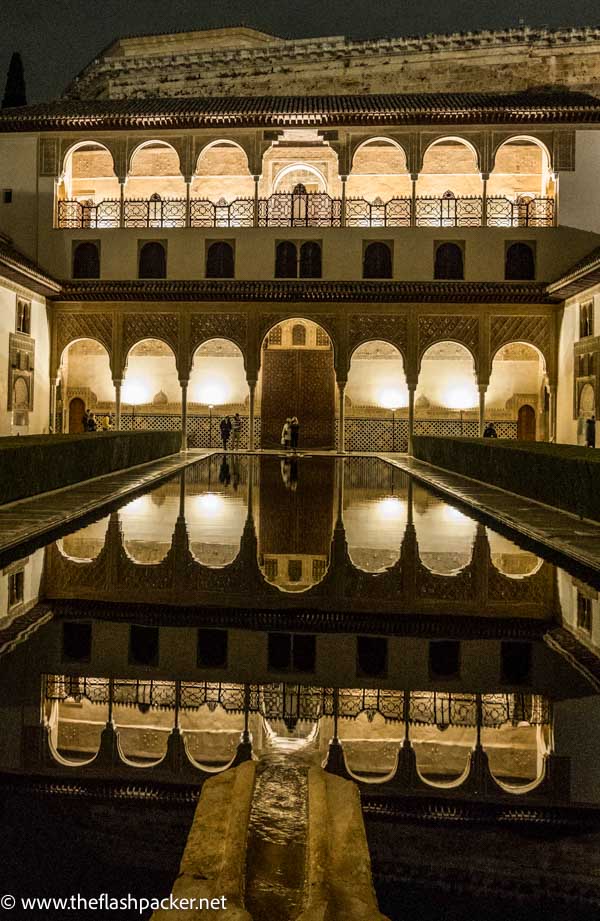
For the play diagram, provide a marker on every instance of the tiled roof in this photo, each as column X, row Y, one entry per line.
column 17, row 267
column 281, row 111
column 464, row 292
column 584, row 274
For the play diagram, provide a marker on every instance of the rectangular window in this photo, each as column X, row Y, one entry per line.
column 371, row 657
column 16, row 588
column 444, row 659
column 143, row 645
column 292, row 652
column 7, row 196
column 586, row 320
column 212, row 648
column 584, row 613
column 77, row 641
column 515, row 662
column 23, row 322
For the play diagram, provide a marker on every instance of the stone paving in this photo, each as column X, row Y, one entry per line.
column 576, row 538
column 31, row 518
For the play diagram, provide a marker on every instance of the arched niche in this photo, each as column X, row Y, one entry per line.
column 222, row 172
column 150, row 376
column 147, row 524
column 376, row 397
column 297, row 380
column 522, row 166
column 445, row 535
column 450, row 164
column 84, row 545
column 300, row 157
column 85, row 375
column 518, row 375
column 88, row 174
column 447, row 397
column 154, row 169
column 379, row 170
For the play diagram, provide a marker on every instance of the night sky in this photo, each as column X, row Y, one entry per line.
column 57, row 38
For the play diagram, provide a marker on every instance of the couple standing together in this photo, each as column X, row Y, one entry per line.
column 290, row 433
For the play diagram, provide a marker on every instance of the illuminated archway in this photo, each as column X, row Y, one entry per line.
column 216, row 508
column 222, row 172
column 376, row 399
column 379, row 171
column 85, row 375
column 375, row 513
column 447, row 397
column 450, row 165
column 154, row 170
column 518, row 378
column 148, row 523
column 217, row 388
column 151, row 392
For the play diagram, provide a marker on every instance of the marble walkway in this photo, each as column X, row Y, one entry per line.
column 576, row 538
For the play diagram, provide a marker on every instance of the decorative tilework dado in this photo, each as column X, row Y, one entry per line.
column 139, row 326
column 434, row 329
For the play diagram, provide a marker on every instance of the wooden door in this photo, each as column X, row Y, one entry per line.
column 526, row 423
column 298, row 382
column 76, row 411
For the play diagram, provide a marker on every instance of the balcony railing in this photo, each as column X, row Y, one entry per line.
column 308, row 210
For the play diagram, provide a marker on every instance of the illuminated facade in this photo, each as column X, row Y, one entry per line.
column 407, row 242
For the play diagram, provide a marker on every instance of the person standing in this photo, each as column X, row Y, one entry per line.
column 225, row 426
column 236, row 429
column 295, row 433
column 286, row 434
column 85, row 420
column 590, row 432
column 490, row 431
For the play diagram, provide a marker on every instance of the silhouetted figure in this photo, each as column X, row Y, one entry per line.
column 590, row 432
column 14, row 91
column 490, row 431
column 224, row 473
column 225, row 426
column 295, row 433
column 286, row 434
column 236, row 429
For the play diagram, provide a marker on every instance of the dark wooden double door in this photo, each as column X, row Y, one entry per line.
column 298, row 382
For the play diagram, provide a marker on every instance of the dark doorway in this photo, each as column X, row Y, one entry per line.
column 76, row 411
column 526, row 423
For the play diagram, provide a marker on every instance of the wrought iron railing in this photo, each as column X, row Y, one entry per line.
column 308, row 210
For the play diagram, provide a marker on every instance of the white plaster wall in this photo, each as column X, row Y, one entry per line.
column 377, row 382
column 219, row 380
column 580, row 190
column 147, row 375
column 569, row 332
column 18, row 171
column 39, row 417
column 91, row 371
column 31, row 589
column 510, row 377
column 447, row 382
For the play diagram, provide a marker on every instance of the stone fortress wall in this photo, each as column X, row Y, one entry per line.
column 245, row 62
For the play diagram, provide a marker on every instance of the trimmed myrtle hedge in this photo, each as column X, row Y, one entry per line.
column 33, row 464
column 565, row 476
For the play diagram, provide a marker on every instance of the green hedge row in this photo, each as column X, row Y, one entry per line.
column 33, row 464
column 565, row 476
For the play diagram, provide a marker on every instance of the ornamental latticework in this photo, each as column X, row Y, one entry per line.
column 139, row 326
column 535, row 330
column 389, row 328
column 441, row 328
column 70, row 327
column 205, row 326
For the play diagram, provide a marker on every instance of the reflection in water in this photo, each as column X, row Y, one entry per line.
column 85, row 544
column 148, row 522
column 509, row 559
column 445, row 535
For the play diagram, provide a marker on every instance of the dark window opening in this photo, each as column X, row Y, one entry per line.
column 153, row 261
column 299, row 334
column 584, row 613
column 220, row 261
column 449, row 262
column 143, row 645
column 23, row 323
column 77, row 642
column 86, row 261
column 310, row 260
column 16, row 588
column 7, row 196
column 292, row 652
column 586, row 320
column 444, row 658
column 377, row 261
column 286, row 260
column 519, row 263
column 212, row 648
column 371, row 656
column 515, row 660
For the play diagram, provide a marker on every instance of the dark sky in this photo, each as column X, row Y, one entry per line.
column 57, row 38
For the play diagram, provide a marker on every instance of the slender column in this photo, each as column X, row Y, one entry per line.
column 552, row 408
column 413, row 204
column 411, row 418
column 117, row 405
column 482, row 391
column 343, row 216
column 122, row 202
column 256, row 181
column 188, row 193
column 555, row 214
column 479, row 717
column 53, row 386
column 252, row 388
column 184, row 415
column 484, row 177
column 342, row 418
column 177, row 703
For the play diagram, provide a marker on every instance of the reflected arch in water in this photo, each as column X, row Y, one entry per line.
column 148, row 522
column 511, row 560
column 84, row 545
column 445, row 535
column 216, row 509
column 375, row 513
